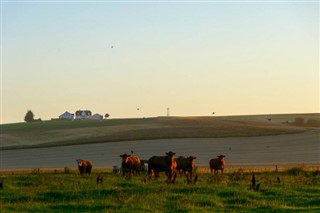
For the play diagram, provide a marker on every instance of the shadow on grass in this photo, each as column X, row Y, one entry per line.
column 82, row 207
column 64, row 196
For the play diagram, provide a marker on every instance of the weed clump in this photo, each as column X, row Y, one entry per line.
column 238, row 175
column 36, row 171
column 296, row 171
column 217, row 179
column 67, row 170
column 315, row 173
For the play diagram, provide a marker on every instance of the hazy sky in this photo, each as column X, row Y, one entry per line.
column 195, row 58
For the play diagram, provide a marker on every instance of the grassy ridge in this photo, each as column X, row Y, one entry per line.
column 55, row 192
column 58, row 133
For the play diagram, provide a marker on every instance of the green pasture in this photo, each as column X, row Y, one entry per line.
column 70, row 124
column 66, row 191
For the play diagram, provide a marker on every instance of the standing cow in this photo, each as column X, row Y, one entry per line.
column 165, row 164
column 130, row 164
column 185, row 164
column 217, row 164
column 84, row 166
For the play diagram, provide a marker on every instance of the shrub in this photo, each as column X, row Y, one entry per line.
column 298, row 122
column 313, row 123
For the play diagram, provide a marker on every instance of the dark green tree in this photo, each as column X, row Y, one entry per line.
column 29, row 116
column 106, row 116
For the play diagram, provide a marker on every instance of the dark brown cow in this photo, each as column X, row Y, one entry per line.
column 217, row 164
column 130, row 164
column 165, row 164
column 185, row 164
column 84, row 166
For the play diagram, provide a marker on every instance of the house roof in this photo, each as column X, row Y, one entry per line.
column 97, row 114
column 67, row 113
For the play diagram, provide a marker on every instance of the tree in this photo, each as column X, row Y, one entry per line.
column 106, row 116
column 29, row 116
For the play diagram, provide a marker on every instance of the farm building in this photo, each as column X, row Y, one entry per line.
column 67, row 115
column 83, row 114
column 96, row 116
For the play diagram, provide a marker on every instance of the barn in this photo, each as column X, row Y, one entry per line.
column 83, row 114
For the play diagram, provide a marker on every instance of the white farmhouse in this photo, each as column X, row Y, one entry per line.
column 97, row 117
column 67, row 115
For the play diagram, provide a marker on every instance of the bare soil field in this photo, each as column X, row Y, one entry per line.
column 261, row 151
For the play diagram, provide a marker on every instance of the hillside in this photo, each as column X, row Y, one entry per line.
column 60, row 133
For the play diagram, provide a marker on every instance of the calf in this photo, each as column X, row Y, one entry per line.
column 185, row 164
column 115, row 170
column 84, row 166
column 130, row 164
column 217, row 164
column 165, row 164
column 144, row 167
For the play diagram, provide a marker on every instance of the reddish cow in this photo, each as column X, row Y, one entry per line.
column 185, row 164
column 84, row 166
column 217, row 164
column 165, row 164
column 130, row 164
column 173, row 167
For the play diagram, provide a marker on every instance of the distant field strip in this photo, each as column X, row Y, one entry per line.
column 302, row 148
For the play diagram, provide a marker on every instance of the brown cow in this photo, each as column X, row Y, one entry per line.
column 165, row 164
column 130, row 164
column 217, row 164
column 185, row 164
column 84, row 166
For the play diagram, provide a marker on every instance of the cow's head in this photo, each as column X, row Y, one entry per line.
column 170, row 155
column 79, row 162
column 221, row 156
column 125, row 158
column 191, row 158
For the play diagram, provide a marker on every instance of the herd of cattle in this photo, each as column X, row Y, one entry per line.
column 171, row 166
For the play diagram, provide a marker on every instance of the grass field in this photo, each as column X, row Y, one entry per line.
column 66, row 191
column 59, row 133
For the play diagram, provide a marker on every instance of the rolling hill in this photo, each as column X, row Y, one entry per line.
column 64, row 132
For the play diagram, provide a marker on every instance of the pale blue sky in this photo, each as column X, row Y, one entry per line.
column 196, row 58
